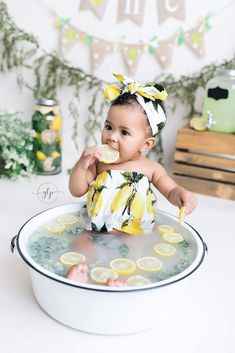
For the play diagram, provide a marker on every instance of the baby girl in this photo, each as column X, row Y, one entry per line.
column 120, row 196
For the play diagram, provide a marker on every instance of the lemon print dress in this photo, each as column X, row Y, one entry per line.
column 121, row 200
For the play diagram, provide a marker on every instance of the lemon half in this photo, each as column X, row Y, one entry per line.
column 173, row 237
column 164, row 249
column 149, row 264
column 109, row 155
column 102, row 274
column 123, row 266
column 72, row 258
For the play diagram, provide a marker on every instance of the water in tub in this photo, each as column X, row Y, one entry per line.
column 132, row 260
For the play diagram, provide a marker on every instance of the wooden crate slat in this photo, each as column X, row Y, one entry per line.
column 205, row 160
column 190, row 139
column 217, row 189
column 204, row 173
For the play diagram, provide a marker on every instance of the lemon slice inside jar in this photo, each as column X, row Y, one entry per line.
column 173, row 237
column 137, row 280
column 123, row 266
column 149, row 264
column 55, row 228
column 67, row 219
column 164, row 249
column 72, row 258
column 109, row 155
column 102, row 274
column 164, row 228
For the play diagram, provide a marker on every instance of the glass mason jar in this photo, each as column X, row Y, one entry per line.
column 219, row 102
column 47, row 124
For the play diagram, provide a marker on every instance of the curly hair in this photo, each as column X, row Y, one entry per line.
column 130, row 99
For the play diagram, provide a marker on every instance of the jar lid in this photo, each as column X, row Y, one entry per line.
column 47, row 102
column 228, row 73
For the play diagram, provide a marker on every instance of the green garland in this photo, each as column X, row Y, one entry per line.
column 21, row 51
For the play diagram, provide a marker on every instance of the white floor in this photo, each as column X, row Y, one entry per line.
column 205, row 324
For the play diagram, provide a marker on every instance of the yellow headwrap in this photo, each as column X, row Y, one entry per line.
column 150, row 91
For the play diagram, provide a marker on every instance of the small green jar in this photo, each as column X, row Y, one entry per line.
column 47, row 124
column 219, row 102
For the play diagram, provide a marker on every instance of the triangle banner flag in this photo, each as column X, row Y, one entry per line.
column 131, row 55
column 194, row 38
column 96, row 6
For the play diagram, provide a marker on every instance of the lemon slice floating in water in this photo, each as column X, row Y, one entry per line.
column 109, row 155
column 72, row 258
column 67, row 219
column 55, row 228
column 164, row 249
column 173, row 237
column 123, row 266
column 149, row 264
column 137, row 280
column 102, row 274
column 182, row 215
column 164, row 228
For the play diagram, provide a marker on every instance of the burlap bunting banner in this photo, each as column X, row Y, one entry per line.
column 194, row 38
column 164, row 52
column 131, row 9
column 96, row 6
column 170, row 8
column 99, row 49
column 131, row 55
column 69, row 36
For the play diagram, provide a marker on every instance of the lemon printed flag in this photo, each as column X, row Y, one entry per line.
column 131, row 54
column 194, row 38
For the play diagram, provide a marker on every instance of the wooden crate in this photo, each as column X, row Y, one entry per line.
column 204, row 162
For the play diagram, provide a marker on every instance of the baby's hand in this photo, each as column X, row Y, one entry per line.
column 182, row 197
column 89, row 156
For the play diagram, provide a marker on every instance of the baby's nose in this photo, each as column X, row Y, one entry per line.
column 113, row 137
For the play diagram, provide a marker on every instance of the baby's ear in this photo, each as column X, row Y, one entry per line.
column 148, row 144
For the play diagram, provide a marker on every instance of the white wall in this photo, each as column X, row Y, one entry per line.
column 34, row 16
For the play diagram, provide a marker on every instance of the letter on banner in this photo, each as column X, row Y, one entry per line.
column 169, row 8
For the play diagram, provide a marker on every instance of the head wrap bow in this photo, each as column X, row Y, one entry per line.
column 147, row 96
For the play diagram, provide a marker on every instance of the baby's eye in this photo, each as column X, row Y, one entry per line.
column 124, row 132
column 108, row 127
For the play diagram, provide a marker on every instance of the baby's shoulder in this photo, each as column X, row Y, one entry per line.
column 151, row 168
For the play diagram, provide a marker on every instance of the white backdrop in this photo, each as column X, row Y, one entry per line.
column 34, row 17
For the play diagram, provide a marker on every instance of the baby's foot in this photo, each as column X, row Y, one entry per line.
column 116, row 283
column 78, row 273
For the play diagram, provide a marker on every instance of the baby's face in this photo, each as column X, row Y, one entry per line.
column 125, row 130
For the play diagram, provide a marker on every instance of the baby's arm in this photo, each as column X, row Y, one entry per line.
column 174, row 193
column 84, row 171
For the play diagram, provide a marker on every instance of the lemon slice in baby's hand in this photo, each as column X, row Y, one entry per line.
column 123, row 266
column 109, row 155
column 182, row 214
column 72, row 258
